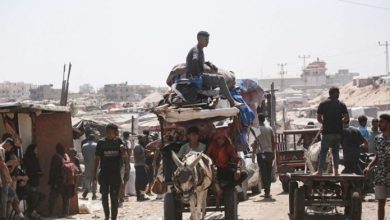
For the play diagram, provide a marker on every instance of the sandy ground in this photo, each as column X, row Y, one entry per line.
column 358, row 96
column 256, row 208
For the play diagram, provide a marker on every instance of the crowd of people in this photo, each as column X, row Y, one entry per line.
column 19, row 179
column 107, row 159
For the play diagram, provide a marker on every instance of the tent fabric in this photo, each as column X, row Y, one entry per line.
column 253, row 95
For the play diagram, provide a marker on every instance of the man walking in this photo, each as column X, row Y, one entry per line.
column 125, row 171
column 331, row 113
column 108, row 156
column 382, row 162
column 141, row 176
column 195, row 68
column 374, row 132
column 264, row 149
column 88, row 150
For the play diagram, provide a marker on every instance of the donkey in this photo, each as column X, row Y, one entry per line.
column 312, row 156
column 192, row 179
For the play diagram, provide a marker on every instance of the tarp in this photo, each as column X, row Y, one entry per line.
column 252, row 94
column 187, row 114
column 124, row 121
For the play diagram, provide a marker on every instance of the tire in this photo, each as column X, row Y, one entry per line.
column 299, row 204
column 292, row 188
column 231, row 201
column 255, row 190
column 285, row 185
column 356, row 206
column 171, row 208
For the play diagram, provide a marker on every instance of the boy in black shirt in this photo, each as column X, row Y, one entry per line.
column 108, row 155
column 352, row 142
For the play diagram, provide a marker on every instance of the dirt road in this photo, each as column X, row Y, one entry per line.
column 256, row 208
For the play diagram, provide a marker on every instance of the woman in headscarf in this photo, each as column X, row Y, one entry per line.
column 57, row 179
column 34, row 172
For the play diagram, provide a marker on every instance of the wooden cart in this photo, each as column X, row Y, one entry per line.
column 289, row 158
column 325, row 193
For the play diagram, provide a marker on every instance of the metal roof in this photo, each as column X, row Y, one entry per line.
column 12, row 106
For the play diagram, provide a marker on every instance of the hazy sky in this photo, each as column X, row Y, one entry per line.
column 140, row 41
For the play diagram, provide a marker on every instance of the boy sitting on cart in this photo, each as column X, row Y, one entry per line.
column 227, row 162
column 193, row 144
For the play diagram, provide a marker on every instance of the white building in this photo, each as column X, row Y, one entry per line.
column 125, row 92
column 15, row 90
column 314, row 74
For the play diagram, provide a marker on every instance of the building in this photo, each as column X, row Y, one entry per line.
column 125, row 92
column 45, row 92
column 15, row 90
column 313, row 77
column 86, row 89
column 342, row 77
column 314, row 74
column 290, row 82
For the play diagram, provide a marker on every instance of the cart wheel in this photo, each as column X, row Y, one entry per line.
column 231, row 202
column 172, row 209
column 299, row 204
column 285, row 185
column 356, row 206
column 293, row 186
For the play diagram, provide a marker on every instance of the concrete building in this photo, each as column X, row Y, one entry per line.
column 287, row 82
column 125, row 92
column 314, row 74
column 342, row 77
column 45, row 92
column 313, row 77
column 86, row 89
column 15, row 90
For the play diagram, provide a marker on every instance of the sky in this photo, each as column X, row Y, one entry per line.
column 140, row 41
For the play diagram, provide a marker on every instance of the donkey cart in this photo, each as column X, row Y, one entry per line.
column 324, row 193
column 180, row 119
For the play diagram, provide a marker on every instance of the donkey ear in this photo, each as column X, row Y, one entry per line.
column 176, row 160
column 195, row 162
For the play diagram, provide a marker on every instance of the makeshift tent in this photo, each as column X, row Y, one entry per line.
column 45, row 126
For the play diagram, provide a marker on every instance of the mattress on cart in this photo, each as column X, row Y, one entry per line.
column 173, row 115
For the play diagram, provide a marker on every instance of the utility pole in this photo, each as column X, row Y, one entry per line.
column 304, row 57
column 282, row 73
column 386, row 44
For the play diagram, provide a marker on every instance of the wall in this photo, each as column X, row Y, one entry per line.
column 50, row 129
column 2, row 129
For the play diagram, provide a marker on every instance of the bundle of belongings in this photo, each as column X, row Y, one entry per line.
column 191, row 92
